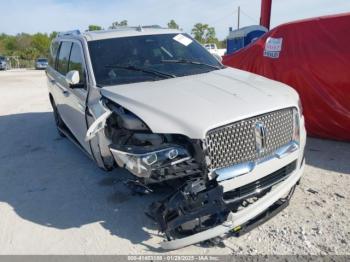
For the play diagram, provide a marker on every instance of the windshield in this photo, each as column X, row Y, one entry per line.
column 42, row 60
column 148, row 58
column 2, row 58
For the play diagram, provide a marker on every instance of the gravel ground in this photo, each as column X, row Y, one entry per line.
column 54, row 200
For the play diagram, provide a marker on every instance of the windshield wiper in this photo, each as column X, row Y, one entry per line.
column 141, row 69
column 185, row 61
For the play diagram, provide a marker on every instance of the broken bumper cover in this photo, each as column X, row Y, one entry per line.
column 241, row 217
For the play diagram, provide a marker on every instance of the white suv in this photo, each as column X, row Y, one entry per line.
column 157, row 103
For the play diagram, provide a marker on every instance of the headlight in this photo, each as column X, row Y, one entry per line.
column 300, row 107
column 140, row 161
column 296, row 125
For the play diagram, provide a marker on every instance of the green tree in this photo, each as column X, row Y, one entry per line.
column 53, row 35
column 94, row 28
column 117, row 24
column 41, row 42
column 26, row 46
column 23, row 41
column 173, row 25
column 203, row 33
column 10, row 44
column 29, row 53
column 222, row 44
column 2, row 47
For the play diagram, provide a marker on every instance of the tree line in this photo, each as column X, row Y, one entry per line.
column 31, row 46
column 26, row 46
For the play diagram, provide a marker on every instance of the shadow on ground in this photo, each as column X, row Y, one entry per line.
column 49, row 181
column 328, row 155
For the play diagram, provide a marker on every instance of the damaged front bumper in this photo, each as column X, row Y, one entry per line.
column 201, row 209
column 236, row 219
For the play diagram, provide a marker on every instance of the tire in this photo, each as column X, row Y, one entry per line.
column 58, row 120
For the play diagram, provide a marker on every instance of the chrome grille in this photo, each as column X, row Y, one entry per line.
column 236, row 143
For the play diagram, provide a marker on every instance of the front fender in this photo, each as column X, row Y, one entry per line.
column 96, row 114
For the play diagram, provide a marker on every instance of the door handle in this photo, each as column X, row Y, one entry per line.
column 52, row 81
column 65, row 93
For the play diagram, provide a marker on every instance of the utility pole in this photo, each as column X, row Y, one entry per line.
column 238, row 16
column 265, row 15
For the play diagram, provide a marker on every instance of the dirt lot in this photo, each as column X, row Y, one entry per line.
column 54, row 200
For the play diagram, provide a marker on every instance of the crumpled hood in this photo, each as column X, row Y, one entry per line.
column 193, row 105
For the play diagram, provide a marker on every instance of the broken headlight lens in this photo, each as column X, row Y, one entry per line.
column 296, row 125
column 141, row 161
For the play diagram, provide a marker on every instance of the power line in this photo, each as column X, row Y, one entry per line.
column 250, row 17
column 221, row 18
column 233, row 14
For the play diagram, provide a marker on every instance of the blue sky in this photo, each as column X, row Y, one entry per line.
column 48, row 15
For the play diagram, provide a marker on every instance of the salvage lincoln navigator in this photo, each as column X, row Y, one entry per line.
column 228, row 144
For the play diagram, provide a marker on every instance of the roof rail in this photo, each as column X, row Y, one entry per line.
column 72, row 32
column 151, row 26
column 138, row 28
column 141, row 27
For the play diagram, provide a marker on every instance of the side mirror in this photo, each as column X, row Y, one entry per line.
column 72, row 77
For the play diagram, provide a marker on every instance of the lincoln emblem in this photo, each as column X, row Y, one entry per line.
column 260, row 137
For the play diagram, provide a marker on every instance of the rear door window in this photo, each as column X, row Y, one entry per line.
column 63, row 57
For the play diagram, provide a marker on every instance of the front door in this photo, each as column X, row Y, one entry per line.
column 73, row 98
